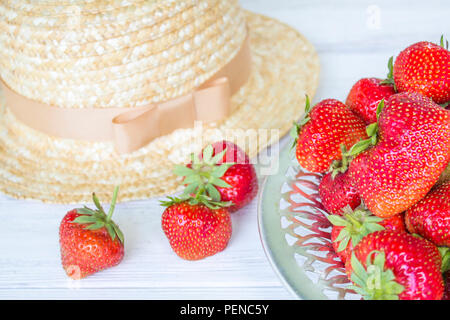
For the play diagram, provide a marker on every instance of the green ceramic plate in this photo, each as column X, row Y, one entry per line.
column 295, row 234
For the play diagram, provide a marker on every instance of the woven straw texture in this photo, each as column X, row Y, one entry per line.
column 134, row 55
column 36, row 166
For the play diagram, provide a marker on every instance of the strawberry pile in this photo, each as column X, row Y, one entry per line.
column 219, row 181
column 385, row 158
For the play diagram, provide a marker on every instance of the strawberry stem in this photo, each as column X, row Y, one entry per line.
column 340, row 166
column 354, row 221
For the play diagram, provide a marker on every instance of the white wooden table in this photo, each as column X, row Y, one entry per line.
column 353, row 38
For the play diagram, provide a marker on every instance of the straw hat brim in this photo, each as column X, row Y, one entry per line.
column 33, row 165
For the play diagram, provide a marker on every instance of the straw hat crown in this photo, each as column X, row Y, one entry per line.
column 99, row 93
column 85, row 54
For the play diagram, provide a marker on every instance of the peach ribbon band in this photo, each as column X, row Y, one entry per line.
column 132, row 129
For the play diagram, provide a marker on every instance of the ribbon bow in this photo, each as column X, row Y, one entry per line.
column 136, row 128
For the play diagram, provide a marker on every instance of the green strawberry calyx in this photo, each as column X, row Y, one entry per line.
column 203, row 178
column 356, row 225
column 372, row 131
column 97, row 219
column 374, row 282
column 445, row 254
column 297, row 127
column 197, row 200
column 443, row 42
column 390, row 76
column 340, row 166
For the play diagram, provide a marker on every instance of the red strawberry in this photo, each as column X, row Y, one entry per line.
column 326, row 126
column 196, row 230
column 338, row 192
column 347, row 231
column 430, row 217
column 424, row 67
column 411, row 149
column 224, row 173
column 388, row 265
column 90, row 241
column 395, row 223
column 336, row 189
column 365, row 96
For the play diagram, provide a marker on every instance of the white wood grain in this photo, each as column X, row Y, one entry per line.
column 349, row 46
column 30, row 266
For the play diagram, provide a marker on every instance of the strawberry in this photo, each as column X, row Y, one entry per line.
column 336, row 189
column 424, row 67
column 407, row 151
column 196, row 229
column 365, row 95
column 222, row 172
column 430, row 217
column 325, row 127
column 338, row 192
column 90, row 241
column 389, row 265
column 348, row 230
column 395, row 223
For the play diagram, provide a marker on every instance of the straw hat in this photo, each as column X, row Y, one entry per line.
column 73, row 69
